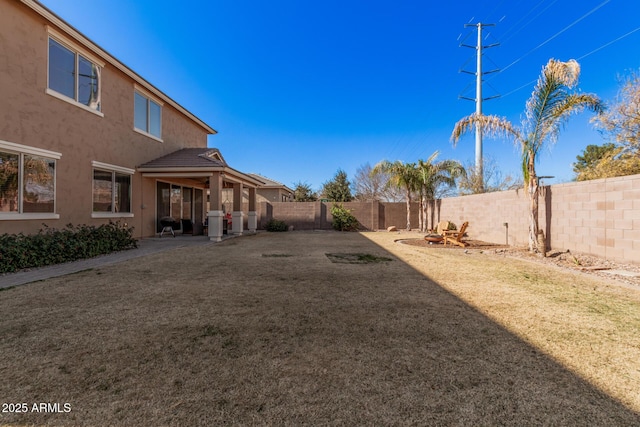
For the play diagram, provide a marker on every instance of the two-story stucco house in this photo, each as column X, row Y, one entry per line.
column 84, row 139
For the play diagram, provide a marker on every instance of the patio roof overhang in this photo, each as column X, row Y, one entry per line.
column 228, row 175
column 196, row 163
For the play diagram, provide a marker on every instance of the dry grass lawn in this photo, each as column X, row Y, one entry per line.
column 269, row 330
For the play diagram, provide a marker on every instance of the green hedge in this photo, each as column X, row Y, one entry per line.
column 343, row 219
column 51, row 246
column 276, row 225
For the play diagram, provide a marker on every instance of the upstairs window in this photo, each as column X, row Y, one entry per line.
column 147, row 116
column 27, row 182
column 73, row 75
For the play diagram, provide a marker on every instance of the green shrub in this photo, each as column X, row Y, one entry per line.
column 343, row 220
column 275, row 225
column 51, row 246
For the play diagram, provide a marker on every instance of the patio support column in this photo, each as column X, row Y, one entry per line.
column 215, row 215
column 252, row 223
column 236, row 216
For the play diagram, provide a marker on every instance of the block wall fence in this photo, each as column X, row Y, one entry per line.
column 599, row 217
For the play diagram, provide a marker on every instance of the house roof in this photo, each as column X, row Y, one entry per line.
column 191, row 162
column 270, row 183
column 97, row 50
column 209, row 158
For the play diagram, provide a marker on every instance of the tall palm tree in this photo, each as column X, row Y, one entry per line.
column 401, row 175
column 548, row 108
column 432, row 176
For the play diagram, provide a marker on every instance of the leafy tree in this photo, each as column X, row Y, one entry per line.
column 548, row 108
column 432, row 177
column 338, row 189
column 302, row 192
column 590, row 157
column 401, row 175
column 621, row 121
column 615, row 162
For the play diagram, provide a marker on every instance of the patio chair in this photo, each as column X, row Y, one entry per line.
column 455, row 236
column 442, row 227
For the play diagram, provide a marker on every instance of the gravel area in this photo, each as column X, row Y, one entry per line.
column 623, row 273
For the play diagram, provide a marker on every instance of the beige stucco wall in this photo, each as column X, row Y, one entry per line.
column 600, row 217
column 271, row 195
column 29, row 116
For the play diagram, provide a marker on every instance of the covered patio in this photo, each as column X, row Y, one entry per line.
column 182, row 181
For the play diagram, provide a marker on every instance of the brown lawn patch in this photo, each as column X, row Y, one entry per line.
column 356, row 258
column 221, row 334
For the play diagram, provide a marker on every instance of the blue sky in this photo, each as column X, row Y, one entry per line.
column 299, row 89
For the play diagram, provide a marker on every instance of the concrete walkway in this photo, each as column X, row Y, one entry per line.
column 145, row 247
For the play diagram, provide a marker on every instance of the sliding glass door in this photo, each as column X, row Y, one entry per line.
column 180, row 203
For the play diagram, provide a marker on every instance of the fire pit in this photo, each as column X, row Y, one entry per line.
column 433, row 238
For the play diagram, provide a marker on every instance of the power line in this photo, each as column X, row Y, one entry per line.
column 608, row 44
column 556, row 35
column 581, row 57
column 520, row 28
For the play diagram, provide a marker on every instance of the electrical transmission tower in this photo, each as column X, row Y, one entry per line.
column 478, row 99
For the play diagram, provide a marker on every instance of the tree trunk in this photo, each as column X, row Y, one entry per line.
column 432, row 206
column 423, row 212
column 408, row 209
column 420, row 219
column 533, row 212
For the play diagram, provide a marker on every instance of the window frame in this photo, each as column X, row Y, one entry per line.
column 77, row 52
column 137, row 90
column 21, row 151
column 113, row 169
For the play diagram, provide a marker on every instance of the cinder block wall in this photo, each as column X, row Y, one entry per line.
column 301, row 215
column 488, row 213
column 599, row 217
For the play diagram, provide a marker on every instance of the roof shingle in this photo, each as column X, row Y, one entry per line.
column 189, row 158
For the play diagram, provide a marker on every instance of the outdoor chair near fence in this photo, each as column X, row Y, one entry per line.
column 455, row 236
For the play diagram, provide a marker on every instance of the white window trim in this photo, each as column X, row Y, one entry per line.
column 78, row 50
column 114, row 168
column 148, row 94
column 147, row 134
column 25, row 149
column 111, row 168
column 73, row 102
column 62, row 39
column 112, row 215
column 12, row 147
column 4, row 216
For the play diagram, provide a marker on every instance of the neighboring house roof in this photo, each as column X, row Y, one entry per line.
column 94, row 48
column 195, row 160
column 270, row 183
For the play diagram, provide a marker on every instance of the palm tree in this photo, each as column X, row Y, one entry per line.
column 401, row 175
column 548, row 108
column 432, row 176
